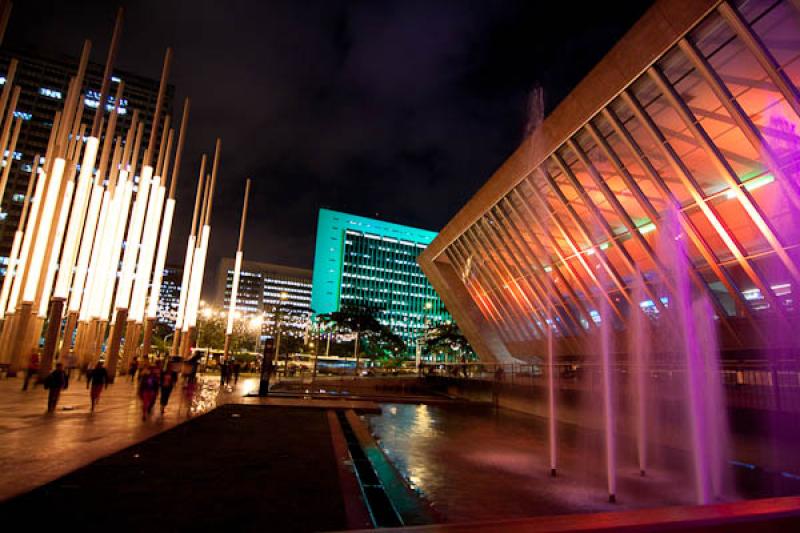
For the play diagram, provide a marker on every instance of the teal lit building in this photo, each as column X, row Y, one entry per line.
column 371, row 263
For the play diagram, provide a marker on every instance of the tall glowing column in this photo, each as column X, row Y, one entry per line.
column 237, row 268
column 187, row 262
column 199, row 262
column 166, row 231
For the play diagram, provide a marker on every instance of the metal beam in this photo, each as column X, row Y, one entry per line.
column 730, row 177
column 756, row 47
column 691, row 185
column 504, row 284
column 694, row 235
column 532, row 256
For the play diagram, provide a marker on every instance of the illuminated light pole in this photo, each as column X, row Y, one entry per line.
column 5, row 292
column 166, row 230
column 147, row 251
column 79, row 220
column 236, row 272
column 187, row 262
column 40, row 239
column 199, row 260
column 134, row 236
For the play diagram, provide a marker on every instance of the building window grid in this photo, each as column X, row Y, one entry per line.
column 378, row 268
column 709, row 195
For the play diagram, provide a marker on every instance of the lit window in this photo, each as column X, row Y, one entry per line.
column 50, row 93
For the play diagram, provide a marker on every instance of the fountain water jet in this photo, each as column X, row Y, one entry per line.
column 551, row 396
column 697, row 358
column 639, row 335
column 609, row 417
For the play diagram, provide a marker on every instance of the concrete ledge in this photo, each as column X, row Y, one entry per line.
column 774, row 514
column 360, row 406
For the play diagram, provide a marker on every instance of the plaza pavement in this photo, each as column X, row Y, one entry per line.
column 36, row 447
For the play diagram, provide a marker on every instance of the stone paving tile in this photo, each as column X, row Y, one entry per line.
column 36, row 447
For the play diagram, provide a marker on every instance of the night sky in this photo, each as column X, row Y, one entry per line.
column 399, row 110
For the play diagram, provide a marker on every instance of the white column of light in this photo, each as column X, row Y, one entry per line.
column 43, row 232
column 133, row 239
column 161, row 258
column 148, row 248
column 116, row 246
column 7, row 279
column 13, row 259
column 27, row 241
column 199, row 261
column 61, row 223
column 196, row 282
column 185, row 279
column 78, row 218
column 107, row 268
column 84, row 254
column 237, row 268
column 169, row 212
column 90, row 306
column 189, row 258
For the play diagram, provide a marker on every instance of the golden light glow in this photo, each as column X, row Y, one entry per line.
column 43, row 231
column 61, row 224
column 84, row 255
column 147, row 250
column 133, row 239
column 77, row 219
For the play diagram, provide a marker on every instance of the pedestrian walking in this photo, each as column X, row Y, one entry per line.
column 55, row 382
column 223, row 373
column 148, row 390
column 133, row 368
column 97, row 380
column 236, row 369
column 167, row 384
column 32, row 369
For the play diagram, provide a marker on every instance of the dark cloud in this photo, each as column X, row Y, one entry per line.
column 396, row 109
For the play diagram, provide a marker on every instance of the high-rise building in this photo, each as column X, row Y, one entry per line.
column 370, row 263
column 43, row 83
column 170, row 295
column 691, row 121
column 268, row 290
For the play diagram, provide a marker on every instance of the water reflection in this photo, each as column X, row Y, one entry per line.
column 475, row 463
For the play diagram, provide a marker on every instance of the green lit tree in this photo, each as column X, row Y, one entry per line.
column 447, row 339
column 375, row 338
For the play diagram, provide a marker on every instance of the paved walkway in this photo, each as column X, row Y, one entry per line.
column 238, row 468
column 36, row 447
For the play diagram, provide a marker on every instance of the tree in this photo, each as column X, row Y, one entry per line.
column 377, row 338
column 211, row 331
column 447, row 339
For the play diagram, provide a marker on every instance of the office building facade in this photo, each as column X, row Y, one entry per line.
column 690, row 121
column 170, row 295
column 370, row 263
column 43, row 83
column 279, row 295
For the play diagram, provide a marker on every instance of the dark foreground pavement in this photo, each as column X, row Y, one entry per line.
column 239, row 467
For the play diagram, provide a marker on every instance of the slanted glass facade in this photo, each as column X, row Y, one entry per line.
column 709, row 131
column 371, row 263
